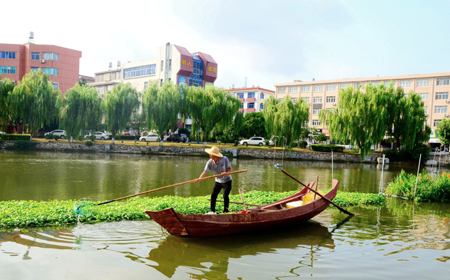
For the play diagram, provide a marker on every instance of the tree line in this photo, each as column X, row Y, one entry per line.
column 363, row 118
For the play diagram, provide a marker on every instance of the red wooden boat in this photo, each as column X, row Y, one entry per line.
column 272, row 215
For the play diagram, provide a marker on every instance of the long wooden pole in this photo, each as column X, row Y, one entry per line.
column 174, row 185
column 316, row 192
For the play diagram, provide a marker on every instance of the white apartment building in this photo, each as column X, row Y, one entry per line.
column 252, row 98
column 433, row 88
column 172, row 64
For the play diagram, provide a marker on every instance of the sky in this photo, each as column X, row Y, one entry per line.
column 253, row 42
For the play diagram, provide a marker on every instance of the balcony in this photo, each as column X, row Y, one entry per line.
column 242, row 99
column 251, row 99
column 241, row 109
column 250, row 110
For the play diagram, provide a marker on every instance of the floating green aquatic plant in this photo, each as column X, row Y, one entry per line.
column 24, row 214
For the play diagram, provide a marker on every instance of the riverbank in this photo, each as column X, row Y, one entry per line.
column 31, row 214
column 191, row 149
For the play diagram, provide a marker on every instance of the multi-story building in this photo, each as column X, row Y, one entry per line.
column 433, row 88
column 252, row 98
column 172, row 63
column 62, row 64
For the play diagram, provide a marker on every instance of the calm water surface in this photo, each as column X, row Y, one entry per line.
column 398, row 241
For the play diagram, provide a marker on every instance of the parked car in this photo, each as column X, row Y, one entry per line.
column 149, row 138
column 257, row 141
column 57, row 132
column 1, row 132
column 177, row 138
column 98, row 135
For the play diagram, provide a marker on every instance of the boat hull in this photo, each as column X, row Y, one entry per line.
column 268, row 216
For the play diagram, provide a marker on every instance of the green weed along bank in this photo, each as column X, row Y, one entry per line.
column 28, row 214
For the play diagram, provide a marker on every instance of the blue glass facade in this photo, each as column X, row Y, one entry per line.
column 196, row 78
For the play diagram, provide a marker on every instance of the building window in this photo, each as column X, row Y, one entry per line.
column 441, row 95
column 261, row 96
column 251, row 95
column 100, row 90
column 318, row 88
column 7, row 70
column 331, row 87
column 294, row 100
column 170, row 64
column 293, row 89
column 317, row 99
column 316, row 122
column 162, row 65
column 386, row 83
column 425, row 109
column 423, row 82
column 139, row 71
column 356, row 85
column 440, row 109
column 375, row 83
column 306, row 99
column 50, row 71
column 344, row 85
column 34, row 68
column 242, row 106
column 8, row 55
column 281, row 89
column 436, row 122
column 306, row 88
column 240, row 95
column 250, row 105
column 424, row 95
column 51, row 56
column 117, row 75
column 405, row 83
column 35, row 56
column 443, row 81
column 331, row 99
column 55, row 86
column 316, row 111
column 280, row 99
column 261, row 106
column 145, row 85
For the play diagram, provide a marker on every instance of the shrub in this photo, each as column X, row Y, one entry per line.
column 24, row 144
column 89, row 143
column 125, row 137
column 327, row 148
column 236, row 142
column 1, row 141
column 49, row 136
column 15, row 137
column 429, row 188
column 303, row 144
column 92, row 138
column 56, row 137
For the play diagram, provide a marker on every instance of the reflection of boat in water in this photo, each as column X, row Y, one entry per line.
column 273, row 215
column 174, row 252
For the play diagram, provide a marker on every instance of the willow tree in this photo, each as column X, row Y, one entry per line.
column 406, row 117
column 161, row 107
column 80, row 110
column 360, row 117
column 209, row 107
column 444, row 131
column 119, row 104
column 285, row 118
column 33, row 101
column 6, row 88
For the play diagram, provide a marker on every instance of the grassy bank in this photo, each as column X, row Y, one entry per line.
column 28, row 214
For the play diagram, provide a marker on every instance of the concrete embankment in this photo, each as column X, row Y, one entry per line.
column 197, row 151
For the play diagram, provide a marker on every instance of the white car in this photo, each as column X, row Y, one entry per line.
column 1, row 132
column 257, row 141
column 149, row 138
column 98, row 136
column 57, row 132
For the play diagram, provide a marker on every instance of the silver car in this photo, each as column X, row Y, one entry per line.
column 258, row 141
column 149, row 138
column 57, row 132
column 98, row 136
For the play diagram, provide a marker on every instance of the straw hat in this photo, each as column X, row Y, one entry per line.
column 214, row 151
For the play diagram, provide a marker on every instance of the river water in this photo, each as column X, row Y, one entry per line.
column 397, row 241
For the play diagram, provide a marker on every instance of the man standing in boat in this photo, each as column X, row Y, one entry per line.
column 218, row 164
